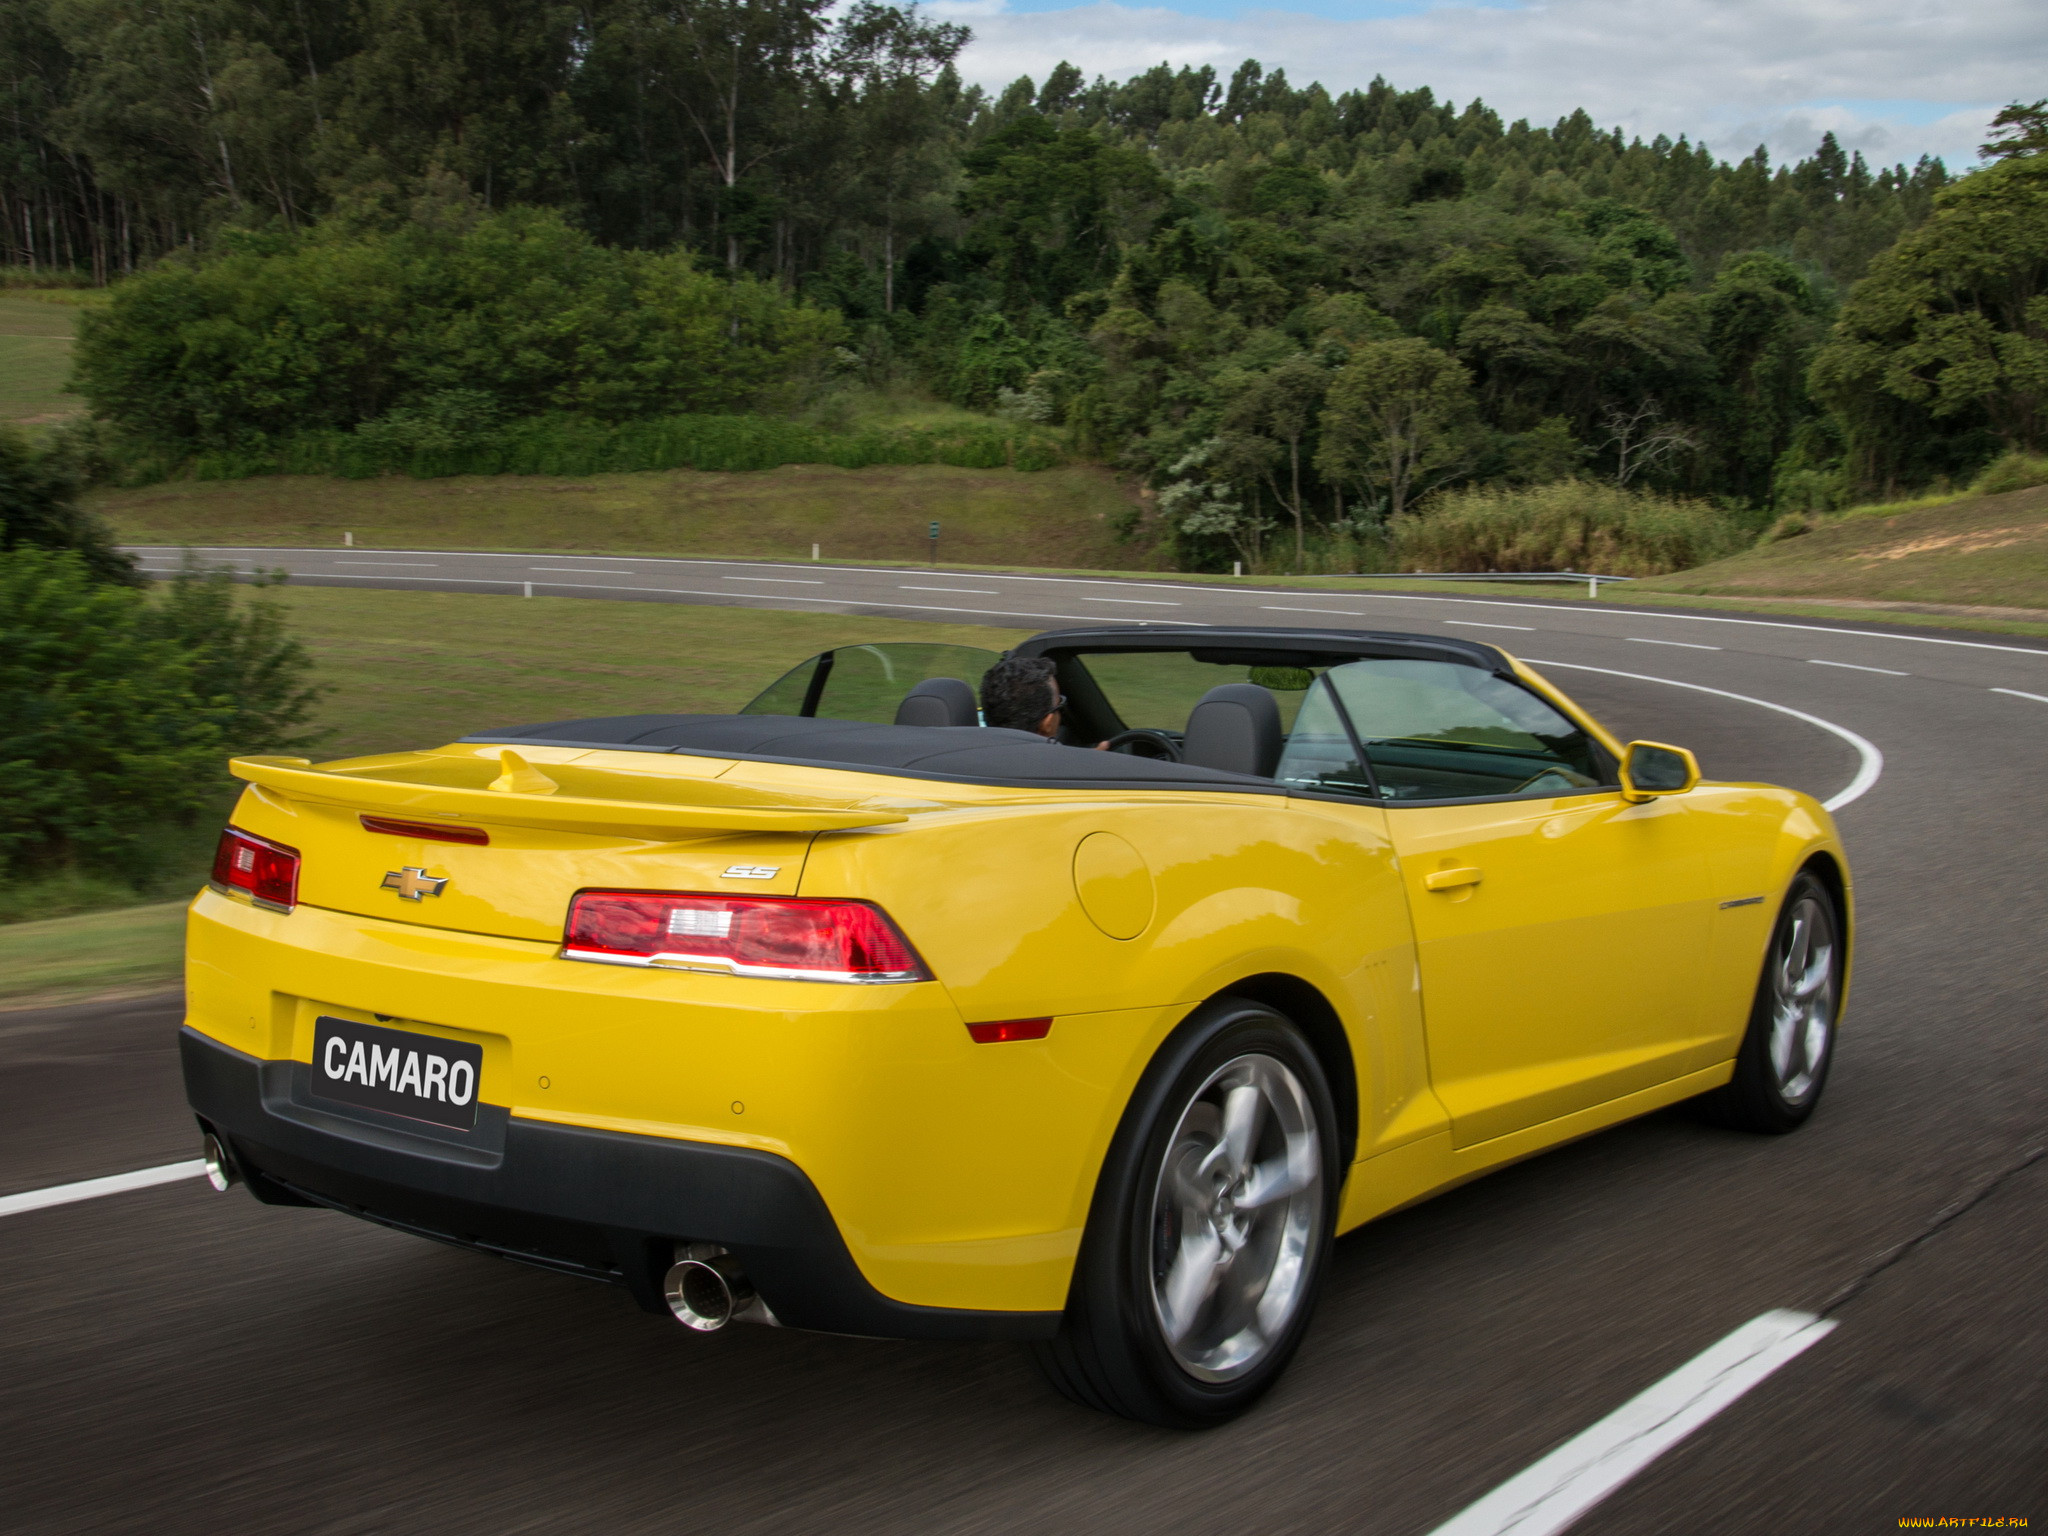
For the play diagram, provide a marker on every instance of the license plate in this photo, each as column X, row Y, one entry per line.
column 421, row 1077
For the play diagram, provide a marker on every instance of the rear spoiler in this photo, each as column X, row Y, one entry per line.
column 598, row 801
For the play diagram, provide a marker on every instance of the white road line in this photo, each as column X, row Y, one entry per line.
column 1851, row 666
column 92, row 1189
column 1475, row 624
column 1135, row 602
column 421, row 564
column 1687, row 644
column 2036, row 697
column 581, row 570
column 265, row 551
column 779, row 581
column 1335, row 613
column 1871, row 761
column 969, row 591
column 1552, row 1493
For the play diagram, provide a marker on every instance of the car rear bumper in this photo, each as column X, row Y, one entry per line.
column 592, row 1202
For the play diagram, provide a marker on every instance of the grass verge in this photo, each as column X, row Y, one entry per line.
column 1972, row 552
column 1054, row 517
column 66, row 959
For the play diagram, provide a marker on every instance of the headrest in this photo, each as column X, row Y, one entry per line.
column 939, row 701
column 1235, row 727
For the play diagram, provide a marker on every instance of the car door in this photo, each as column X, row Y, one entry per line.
column 1561, row 932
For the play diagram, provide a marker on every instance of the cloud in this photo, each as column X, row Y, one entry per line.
column 1895, row 78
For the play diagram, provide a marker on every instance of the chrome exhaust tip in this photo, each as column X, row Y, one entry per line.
column 221, row 1172
column 707, row 1293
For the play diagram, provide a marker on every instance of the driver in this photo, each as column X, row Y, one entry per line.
column 1022, row 693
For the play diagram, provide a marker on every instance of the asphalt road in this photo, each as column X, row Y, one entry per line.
column 175, row 1360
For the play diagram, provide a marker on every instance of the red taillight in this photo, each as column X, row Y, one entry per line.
column 433, row 831
column 788, row 937
column 1010, row 1029
column 267, row 872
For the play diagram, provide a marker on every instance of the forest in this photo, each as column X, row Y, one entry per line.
column 392, row 226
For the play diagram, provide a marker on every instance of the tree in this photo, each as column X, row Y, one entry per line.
column 1642, row 439
column 2018, row 131
column 1396, row 419
column 1949, row 332
column 1281, row 405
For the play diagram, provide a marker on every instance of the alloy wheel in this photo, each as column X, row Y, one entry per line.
column 1237, row 1213
column 1803, row 996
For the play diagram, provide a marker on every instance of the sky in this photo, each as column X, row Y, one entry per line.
column 1895, row 79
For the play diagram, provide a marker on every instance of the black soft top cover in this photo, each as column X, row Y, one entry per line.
column 970, row 753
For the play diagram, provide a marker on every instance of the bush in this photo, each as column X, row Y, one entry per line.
column 2013, row 471
column 1578, row 525
column 121, row 707
column 38, row 511
column 106, row 733
column 438, row 439
column 431, row 332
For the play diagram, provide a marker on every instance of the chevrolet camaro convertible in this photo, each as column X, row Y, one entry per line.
column 849, row 1013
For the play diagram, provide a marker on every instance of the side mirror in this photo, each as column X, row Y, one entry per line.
column 1649, row 770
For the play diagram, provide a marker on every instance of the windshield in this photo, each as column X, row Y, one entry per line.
column 1435, row 731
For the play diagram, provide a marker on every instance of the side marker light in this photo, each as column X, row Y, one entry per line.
column 1010, row 1029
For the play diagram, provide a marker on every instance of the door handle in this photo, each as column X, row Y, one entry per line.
column 1452, row 879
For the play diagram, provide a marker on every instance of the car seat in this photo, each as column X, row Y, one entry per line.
column 1235, row 727
column 939, row 701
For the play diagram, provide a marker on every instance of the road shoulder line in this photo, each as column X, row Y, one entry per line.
column 92, row 1189
column 1550, row 1494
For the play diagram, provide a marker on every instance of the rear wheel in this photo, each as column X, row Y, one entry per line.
column 1210, row 1230
column 1783, row 1064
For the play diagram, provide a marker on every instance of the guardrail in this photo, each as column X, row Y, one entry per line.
column 1590, row 578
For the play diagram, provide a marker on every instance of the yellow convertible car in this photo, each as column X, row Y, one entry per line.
column 849, row 1012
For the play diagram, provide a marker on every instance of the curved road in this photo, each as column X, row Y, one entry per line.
column 177, row 1361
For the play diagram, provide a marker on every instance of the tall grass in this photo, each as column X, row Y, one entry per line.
column 577, row 445
column 1576, row 525
column 2012, row 471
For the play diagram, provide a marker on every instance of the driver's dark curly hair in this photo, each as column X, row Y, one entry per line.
column 1018, row 693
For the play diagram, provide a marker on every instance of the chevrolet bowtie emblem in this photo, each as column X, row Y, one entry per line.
column 412, row 883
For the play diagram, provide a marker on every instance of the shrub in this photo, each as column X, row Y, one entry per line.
column 2013, row 471
column 1578, row 525
column 121, row 706
column 274, row 336
column 106, row 733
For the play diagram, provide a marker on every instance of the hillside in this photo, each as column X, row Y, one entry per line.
column 1058, row 517
column 1977, row 552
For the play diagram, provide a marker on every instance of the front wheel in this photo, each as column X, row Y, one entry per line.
column 1211, row 1227
column 1783, row 1063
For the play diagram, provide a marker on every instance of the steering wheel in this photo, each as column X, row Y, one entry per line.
column 1157, row 745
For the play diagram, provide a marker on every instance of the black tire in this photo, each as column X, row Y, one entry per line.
column 1113, row 1351
column 1783, row 1064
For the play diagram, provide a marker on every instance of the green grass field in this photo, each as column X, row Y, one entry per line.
column 35, row 359
column 414, row 669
